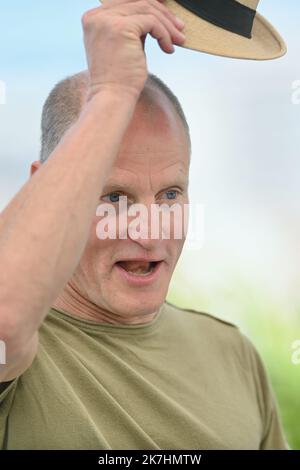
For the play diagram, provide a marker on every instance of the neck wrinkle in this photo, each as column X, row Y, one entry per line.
column 75, row 304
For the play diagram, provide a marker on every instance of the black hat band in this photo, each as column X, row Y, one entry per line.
column 227, row 14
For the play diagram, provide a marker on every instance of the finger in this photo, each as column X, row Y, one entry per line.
column 150, row 24
column 157, row 4
column 143, row 38
column 144, row 7
column 125, row 8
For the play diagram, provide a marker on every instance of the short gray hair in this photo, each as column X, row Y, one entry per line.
column 64, row 104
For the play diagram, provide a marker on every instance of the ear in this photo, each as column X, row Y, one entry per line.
column 34, row 167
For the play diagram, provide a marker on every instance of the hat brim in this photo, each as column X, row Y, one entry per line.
column 266, row 43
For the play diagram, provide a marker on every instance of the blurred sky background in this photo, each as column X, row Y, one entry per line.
column 245, row 167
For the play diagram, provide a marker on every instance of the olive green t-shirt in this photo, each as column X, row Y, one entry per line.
column 185, row 380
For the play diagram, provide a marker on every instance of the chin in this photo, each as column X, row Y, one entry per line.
column 144, row 304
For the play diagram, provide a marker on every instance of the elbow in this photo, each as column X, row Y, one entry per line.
column 8, row 327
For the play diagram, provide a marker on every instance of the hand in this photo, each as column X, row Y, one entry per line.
column 114, row 36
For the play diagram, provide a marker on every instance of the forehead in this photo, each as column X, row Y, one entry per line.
column 155, row 142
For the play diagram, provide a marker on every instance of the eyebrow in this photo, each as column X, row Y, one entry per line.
column 117, row 186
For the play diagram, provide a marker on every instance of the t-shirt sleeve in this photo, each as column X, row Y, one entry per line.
column 7, row 393
column 273, row 436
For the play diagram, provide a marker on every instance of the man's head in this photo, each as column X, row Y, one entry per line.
column 151, row 169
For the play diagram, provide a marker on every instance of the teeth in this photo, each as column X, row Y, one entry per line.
column 138, row 270
column 141, row 272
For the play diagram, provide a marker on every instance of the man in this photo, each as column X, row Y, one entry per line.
column 95, row 357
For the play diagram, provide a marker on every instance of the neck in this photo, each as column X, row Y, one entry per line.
column 74, row 303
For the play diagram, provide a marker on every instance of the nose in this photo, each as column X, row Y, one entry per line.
column 143, row 228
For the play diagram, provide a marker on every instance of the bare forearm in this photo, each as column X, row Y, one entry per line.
column 43, row 231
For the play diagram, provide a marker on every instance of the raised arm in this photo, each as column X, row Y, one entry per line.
column 44, row 229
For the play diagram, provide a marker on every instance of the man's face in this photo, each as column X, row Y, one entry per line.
column 151, row 168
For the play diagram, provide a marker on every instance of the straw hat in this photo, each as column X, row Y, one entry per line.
column 227, row 28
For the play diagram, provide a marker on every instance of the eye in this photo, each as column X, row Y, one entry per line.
column 113, row 197
column 172, row 194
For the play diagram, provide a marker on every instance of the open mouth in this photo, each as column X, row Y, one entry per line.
column 138, row 268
